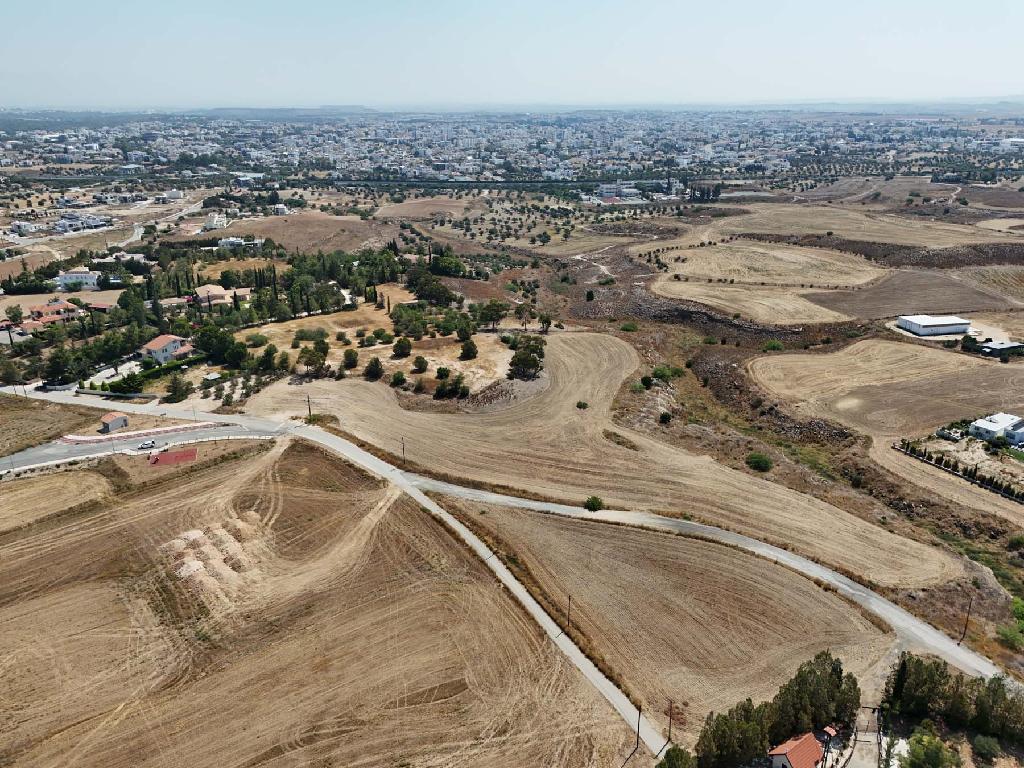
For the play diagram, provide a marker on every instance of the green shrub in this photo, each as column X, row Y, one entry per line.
column 374, row 369
column 402, row 347
column 759, row 462
column 397, row 379
column 772, row 345
column 593, row 503
column 443, row 373
column 665, row 417
column 350, row 358
column 419, row 364
column 985, row 748
column 628, row 326
column 582, row 405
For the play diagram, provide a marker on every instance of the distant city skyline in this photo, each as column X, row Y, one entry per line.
column 456, row 54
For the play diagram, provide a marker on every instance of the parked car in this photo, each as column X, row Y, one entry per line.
column 147, row 445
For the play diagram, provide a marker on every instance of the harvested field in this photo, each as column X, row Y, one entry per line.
column 679, row 619
column 777, row 264
column 545, row 445
column 774, row 305
column 282, row 609
column 857, row 225
column 32, row 498
column 911, row 292
column 890, row 390
column 1005, row 280
column 31, row 422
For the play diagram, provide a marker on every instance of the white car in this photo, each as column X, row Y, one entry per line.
column 147, row 445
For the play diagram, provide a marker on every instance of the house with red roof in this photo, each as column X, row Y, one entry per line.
column 799, row 752
column 166, row 347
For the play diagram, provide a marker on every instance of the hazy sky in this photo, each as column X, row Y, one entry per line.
column 185, row 53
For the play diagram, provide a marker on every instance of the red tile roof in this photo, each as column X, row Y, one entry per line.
column 801, row 751
column 106, row 418
column 160, row 342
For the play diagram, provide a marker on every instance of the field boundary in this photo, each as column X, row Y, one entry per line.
column 956, row 473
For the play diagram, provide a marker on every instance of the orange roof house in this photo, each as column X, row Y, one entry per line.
column 799, row 752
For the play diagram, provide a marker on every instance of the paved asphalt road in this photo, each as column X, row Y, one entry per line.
column 913, row 633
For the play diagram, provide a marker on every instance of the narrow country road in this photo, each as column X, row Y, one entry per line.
column 913, row 633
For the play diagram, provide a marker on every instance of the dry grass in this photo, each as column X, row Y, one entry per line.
column 545, row 445
column 776, row 264
column 770, row 304
column 717, row 624
column 28, row 500
column 330, row 623
column 31, row 422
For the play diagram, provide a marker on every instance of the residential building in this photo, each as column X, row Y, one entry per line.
column 799, row 752
column 215, row 221
column 166, row 347
column 85, row 278
column 998, row 425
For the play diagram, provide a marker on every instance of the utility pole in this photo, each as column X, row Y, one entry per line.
column 403, row 450
column 309, row 407
column 966, row 620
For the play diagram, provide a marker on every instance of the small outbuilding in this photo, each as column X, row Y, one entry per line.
column 113, row 421
column 934, row 325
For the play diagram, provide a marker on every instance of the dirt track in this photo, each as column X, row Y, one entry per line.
column 681, row 619
column 349, row 629
column 546, row 445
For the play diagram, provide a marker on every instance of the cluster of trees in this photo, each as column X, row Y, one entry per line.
column 527, row 358
column 819, row 694
column 927, row 689
column 970, row 471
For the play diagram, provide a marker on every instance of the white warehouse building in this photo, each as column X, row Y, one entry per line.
column 934, row 325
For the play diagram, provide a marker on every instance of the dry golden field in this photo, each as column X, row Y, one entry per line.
column 701, row 624
column 889, row 390
column 544, row 444
column 281, row 608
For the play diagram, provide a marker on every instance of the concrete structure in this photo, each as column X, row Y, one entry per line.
column 166, row 347
column 999, row 425
column 87, row 279
column 113, row 421
column 997, row 348
column 934, row 325
column 799, row 752
column 215, row 221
